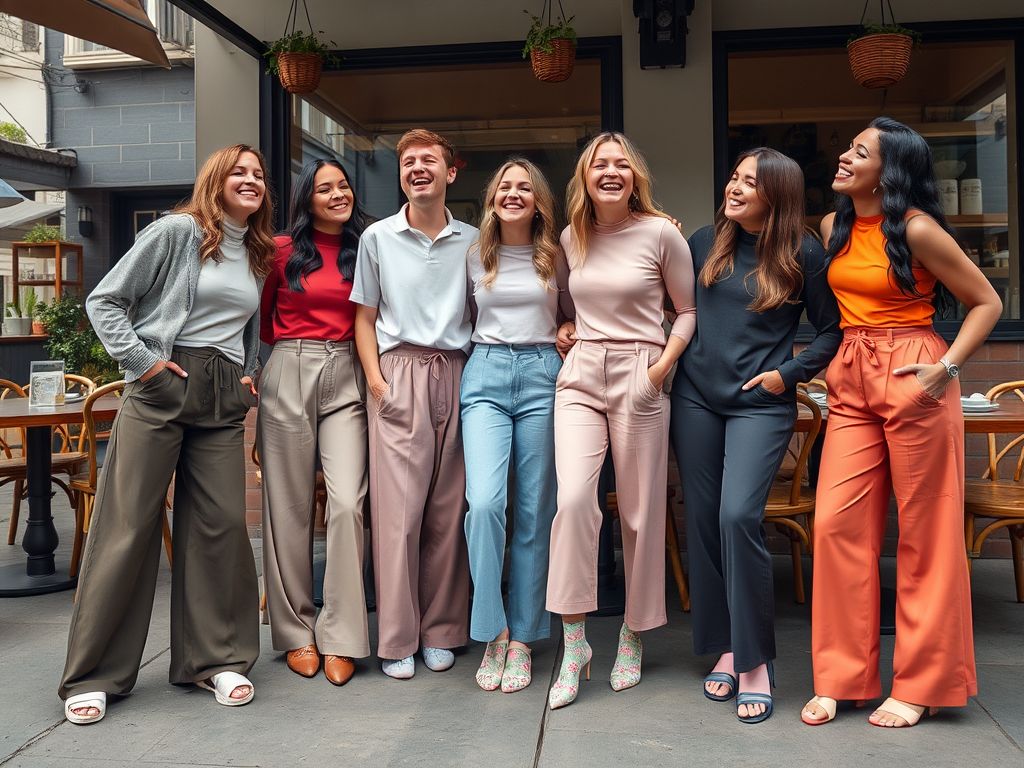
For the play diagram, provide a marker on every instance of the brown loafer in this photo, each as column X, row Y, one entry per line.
column 304, row 661
column 339, row 669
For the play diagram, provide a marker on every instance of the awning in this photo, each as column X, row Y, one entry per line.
column 14, row 218
column 119, row 24
column 9, row 195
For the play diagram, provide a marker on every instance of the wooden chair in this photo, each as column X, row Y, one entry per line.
column 999, row 499
column 84, row 484
column 671, row 544
column 790, row 500
column 67, row 461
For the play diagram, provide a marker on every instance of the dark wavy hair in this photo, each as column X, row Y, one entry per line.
column 305, row 257
column 907, row 180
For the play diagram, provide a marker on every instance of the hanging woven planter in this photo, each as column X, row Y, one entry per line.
column 556, row 66
column 297, row 58
column 880, row 53
column 551, row 47
column 878, row 61
column 299, row 72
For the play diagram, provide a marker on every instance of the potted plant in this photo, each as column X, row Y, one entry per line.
column 879, row 53
column 32, row 308
column 297, row 59
column 15, row 323
column 551, row 46
column 42, row 233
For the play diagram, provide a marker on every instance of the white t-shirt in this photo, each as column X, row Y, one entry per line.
column 418, row 285
column 227, row 295
column 518, row 308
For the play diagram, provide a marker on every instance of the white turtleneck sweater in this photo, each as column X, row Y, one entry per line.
column 226, row 298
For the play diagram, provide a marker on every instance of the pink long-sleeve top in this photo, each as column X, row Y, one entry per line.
column 619, row 291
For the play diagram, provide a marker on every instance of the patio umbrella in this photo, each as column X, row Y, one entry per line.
column 9, row 195
column 118, row 24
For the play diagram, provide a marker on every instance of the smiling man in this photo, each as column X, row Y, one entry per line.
column 412, row 333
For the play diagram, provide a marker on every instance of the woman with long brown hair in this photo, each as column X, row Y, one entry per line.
column 733, row 410
column 517, row 272
column 624, row 256
column 179, row 312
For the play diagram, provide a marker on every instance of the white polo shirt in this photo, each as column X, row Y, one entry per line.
column 419, row 286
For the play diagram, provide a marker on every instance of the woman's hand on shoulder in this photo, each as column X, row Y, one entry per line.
column 566, row 338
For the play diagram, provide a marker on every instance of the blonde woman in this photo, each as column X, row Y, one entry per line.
column 624, row 255
column 180, row 313
column 517, row 272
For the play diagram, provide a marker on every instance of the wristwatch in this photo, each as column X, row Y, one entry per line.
column 952, row 369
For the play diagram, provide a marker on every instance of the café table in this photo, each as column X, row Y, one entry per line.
column 41, row 573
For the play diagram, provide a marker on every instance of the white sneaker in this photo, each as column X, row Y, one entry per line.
column 438, row 659
column 400, row 669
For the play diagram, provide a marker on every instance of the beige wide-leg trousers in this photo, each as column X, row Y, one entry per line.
column 312, row 400
column 418, row 497
column 604, row 396
column 192, row 426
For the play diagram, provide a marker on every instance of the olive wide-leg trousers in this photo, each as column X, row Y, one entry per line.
column 192, row 426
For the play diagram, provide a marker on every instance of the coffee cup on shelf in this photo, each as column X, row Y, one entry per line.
column 970, row 197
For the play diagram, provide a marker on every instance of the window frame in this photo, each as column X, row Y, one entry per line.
column 804, row 38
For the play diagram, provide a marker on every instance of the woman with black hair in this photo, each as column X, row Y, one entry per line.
column 734, row 407
column 895, row 423
column 313, row 404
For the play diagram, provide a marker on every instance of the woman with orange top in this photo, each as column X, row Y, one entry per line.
column 895, row 422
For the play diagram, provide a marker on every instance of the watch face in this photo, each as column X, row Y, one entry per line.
column 953, row 371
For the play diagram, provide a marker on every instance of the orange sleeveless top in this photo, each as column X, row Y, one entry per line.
column 865, row 288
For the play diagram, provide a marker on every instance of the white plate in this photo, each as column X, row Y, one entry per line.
column 73, row 397
column 979, row 407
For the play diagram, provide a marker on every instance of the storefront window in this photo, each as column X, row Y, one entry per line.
column 488, row 111
column 959, row 96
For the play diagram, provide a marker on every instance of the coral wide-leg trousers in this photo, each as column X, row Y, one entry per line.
column 886, row 433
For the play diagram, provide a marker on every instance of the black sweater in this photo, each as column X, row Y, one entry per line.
column 733, row 344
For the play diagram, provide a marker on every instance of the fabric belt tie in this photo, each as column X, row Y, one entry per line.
column 437, row 359
column 214, row 366
column 859, row 342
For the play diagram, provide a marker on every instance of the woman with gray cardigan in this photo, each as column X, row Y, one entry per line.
column 733, row 410
column 179, row 312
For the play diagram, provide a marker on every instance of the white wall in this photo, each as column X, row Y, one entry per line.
column 21, row 85
column 227, row 95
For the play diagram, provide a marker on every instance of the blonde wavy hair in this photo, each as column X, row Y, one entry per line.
column 545, row 238
column 206, row 206
column 579, row 206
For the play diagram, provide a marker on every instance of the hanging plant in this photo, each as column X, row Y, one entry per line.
column 297, row 58
column 880, row 53
column 551, row 46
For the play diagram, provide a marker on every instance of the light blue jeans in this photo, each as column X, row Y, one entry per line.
column 508, row 405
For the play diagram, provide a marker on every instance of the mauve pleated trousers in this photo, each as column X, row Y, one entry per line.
column 605, row 397
column 418, row 503
column 885, row 432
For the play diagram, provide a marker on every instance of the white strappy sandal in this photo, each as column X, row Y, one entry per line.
column 95, row 700
column 223, row 685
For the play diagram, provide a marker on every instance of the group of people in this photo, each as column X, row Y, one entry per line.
column 422, row 362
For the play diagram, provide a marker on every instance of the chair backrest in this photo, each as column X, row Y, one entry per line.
column 89, row 425
column 10, row 389
column 996, row 454
column 805, row 449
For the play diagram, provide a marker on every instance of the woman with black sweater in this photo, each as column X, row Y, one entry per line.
column 734, row 406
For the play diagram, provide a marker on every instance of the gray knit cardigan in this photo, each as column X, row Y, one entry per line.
column 141, row 305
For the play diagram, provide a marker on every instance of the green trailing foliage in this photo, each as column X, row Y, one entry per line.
column 541, row 34
column 871, row 28
column 73, row 340
column 299, row 42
